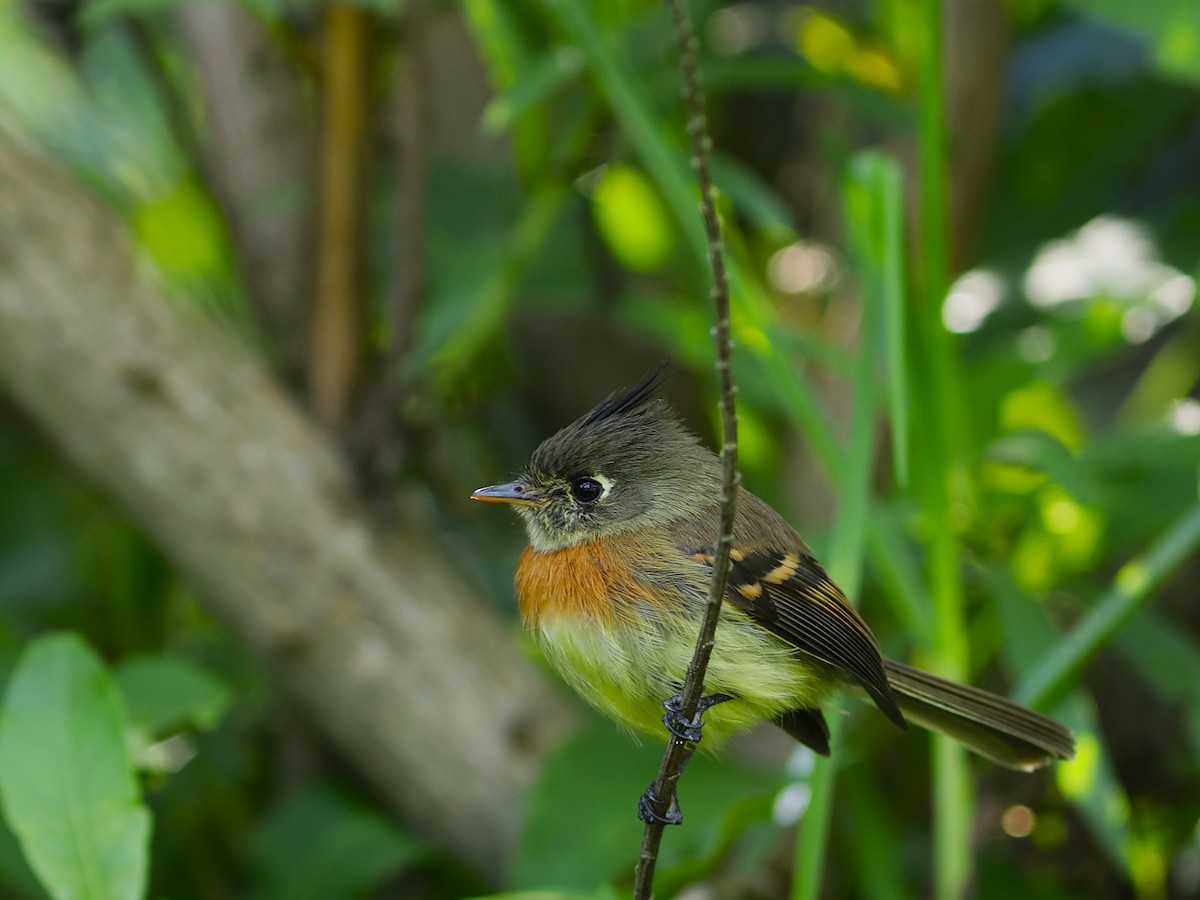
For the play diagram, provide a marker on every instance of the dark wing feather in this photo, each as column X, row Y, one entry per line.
column 789, row 594
column 808, row 727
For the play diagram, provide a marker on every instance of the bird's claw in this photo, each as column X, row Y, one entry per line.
column 689, row 729
column 646, row 812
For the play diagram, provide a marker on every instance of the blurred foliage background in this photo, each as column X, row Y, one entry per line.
column 964, row 242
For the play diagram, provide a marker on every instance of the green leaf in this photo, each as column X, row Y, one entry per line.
column 163, row 693
column 65, row 775
column 320, row 844
column 872, row 199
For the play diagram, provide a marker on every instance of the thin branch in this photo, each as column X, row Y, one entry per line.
column 375, row 439
column 679, row 751
column 337, row 319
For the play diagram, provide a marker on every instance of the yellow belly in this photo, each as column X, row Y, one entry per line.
column 625, row 651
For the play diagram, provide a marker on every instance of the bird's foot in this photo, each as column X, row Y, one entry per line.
column 649, row 800
column 689, row 729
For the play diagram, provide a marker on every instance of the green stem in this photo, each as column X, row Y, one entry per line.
column 941, row 452
column 870, row 201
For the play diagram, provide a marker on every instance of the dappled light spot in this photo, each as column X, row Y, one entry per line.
column 1111, row 259
column 1185, row 416
column 738, row 28
column 804, row 267
column 972, row 298
column 1018, row 821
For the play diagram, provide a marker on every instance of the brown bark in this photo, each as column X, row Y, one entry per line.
column 387, row 651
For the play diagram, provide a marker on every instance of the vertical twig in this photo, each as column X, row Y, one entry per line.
column 337, row 319
column 678, row 751
column 375, row 438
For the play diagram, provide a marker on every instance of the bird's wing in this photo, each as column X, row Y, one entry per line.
column 788, row 593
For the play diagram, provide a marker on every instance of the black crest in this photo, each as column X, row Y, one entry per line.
column 618, row 404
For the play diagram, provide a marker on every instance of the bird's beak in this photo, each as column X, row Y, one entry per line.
column 512, row 492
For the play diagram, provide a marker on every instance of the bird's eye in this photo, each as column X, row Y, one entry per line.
column 586, row 490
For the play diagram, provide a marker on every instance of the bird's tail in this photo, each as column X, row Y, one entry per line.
column 999, row 729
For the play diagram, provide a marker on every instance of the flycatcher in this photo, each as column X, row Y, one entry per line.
column 622, row 511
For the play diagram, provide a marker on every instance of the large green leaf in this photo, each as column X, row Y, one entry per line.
column 66, row 779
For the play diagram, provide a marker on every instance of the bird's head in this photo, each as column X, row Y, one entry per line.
column 627, row 465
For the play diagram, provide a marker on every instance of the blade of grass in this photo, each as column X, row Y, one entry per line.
column 869, row 198
column 893, row 296
column 937, row 444
column 1132, row 589
column 813, row 835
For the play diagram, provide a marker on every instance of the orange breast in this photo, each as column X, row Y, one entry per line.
column 587, row 580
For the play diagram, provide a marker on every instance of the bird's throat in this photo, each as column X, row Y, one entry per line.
column 587, row 580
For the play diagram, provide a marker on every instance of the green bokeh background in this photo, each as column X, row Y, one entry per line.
column 997, row 454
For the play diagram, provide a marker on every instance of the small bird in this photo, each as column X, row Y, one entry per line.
column 622, row 512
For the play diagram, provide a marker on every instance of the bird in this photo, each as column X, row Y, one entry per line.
column 622, row 512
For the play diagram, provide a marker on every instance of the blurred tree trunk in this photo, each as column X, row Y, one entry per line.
column 388, row 651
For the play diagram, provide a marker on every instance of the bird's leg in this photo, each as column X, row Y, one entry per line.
column 685, row 729
column 646, row 813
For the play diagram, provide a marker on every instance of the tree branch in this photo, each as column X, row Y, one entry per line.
column 678, row 750
column 337, row 339
column 385, row 647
